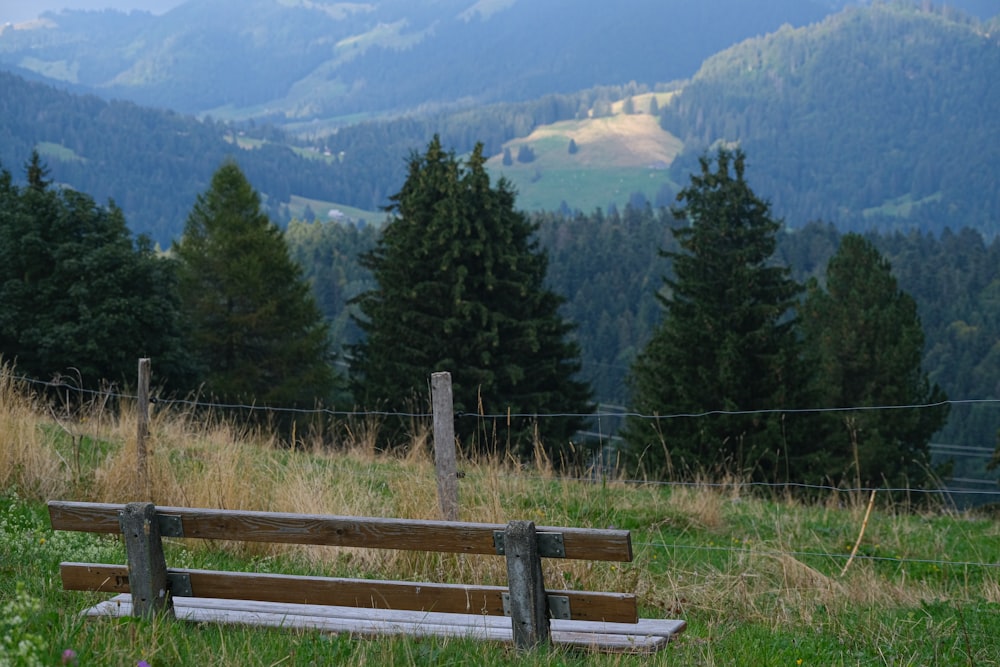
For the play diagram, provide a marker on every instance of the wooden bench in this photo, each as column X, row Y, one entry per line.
column 523, row 612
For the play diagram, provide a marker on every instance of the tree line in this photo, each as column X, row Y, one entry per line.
column 458, row 280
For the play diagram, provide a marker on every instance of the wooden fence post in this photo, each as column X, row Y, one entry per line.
column 142, row 428
column 147, row 567
column 529, row 608
column 444, row 444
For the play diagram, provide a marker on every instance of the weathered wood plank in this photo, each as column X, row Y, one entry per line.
column 344, row 531
column 375, row 594
column 148, row 582
column 528, row 606
column 646, row 636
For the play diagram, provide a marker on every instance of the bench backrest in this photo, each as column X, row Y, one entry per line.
column 344, row 531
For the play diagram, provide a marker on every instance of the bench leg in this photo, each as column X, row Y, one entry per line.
column 528, row 602
column 147, row 567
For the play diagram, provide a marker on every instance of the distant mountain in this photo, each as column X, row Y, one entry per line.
column 880, row 117
column 877, row 118
column 293, row 60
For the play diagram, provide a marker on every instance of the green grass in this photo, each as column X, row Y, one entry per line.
column 901, row 207
column 617, row 156
column 47, row 149
column 760, row 578
column 585, row 189
column 723, row 564
column 297, row 207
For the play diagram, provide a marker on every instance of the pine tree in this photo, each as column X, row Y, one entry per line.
column 461, row 289
column 525, row 154
column 867, row 340
column 726, row 343
column 80, row 296
column 254, row 326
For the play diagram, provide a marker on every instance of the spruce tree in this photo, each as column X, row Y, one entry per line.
column 461, row 289
column 81, row 297
column 726, row 343
column 867, row 342
column 253, row 324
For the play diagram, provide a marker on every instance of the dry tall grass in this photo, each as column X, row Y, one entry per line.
column 199, row 462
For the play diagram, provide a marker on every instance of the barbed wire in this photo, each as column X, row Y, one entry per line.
column 58, row 384
column 620, row 411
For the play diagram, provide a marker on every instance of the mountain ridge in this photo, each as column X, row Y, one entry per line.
column 920, row 153
column 245, row 56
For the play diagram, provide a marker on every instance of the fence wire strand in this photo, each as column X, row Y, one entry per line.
column 622, row 412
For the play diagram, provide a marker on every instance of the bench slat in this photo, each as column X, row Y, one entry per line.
column 344, row 531
column 645, row 637
column 447, row 598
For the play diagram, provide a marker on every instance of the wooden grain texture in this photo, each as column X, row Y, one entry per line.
column 344, row 531
column 401, row 595
column 444, row 445
column 148, row 568
column 528, row 605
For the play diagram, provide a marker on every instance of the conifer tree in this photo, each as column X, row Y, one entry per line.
column 80, row 297
column 461, row 289
column 253, row 325
column 867, row 341
column 726, row 343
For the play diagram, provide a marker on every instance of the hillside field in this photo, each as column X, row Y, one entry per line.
column 760, row 578
column 616, row 155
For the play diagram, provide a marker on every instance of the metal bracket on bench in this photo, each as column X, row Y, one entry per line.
column 180, row 585
column 558, row 606
column 550, row 545
column 170, row 525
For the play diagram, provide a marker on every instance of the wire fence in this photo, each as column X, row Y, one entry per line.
column 620, row 412
column 610, row 412
column 614, row 412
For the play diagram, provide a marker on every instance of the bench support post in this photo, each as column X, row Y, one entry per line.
column 147, row 567
column 528, row 603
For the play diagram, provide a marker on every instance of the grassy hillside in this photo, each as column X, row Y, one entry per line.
column 614, row 156
column 761, row 579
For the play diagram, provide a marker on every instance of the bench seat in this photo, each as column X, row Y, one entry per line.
column 646, row 636
column 523, row 612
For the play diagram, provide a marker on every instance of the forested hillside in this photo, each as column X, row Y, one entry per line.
column 877, row 118
column 609, row 268
column 292, row 61
column 151, row 162
column 154, row 162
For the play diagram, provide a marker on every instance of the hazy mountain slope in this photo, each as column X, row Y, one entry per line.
column 153, row 163
column 878, row 117
column 309, row 58
column 874, row 118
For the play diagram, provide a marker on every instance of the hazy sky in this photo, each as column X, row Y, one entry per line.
column 16, row 11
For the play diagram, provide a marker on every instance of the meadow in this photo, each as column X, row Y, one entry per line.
column 617, row 155
column 762, row 575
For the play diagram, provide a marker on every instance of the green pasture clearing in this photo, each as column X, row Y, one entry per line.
column 47, row 149
column 901, row 207
column 297, row 207
column 581, row 189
